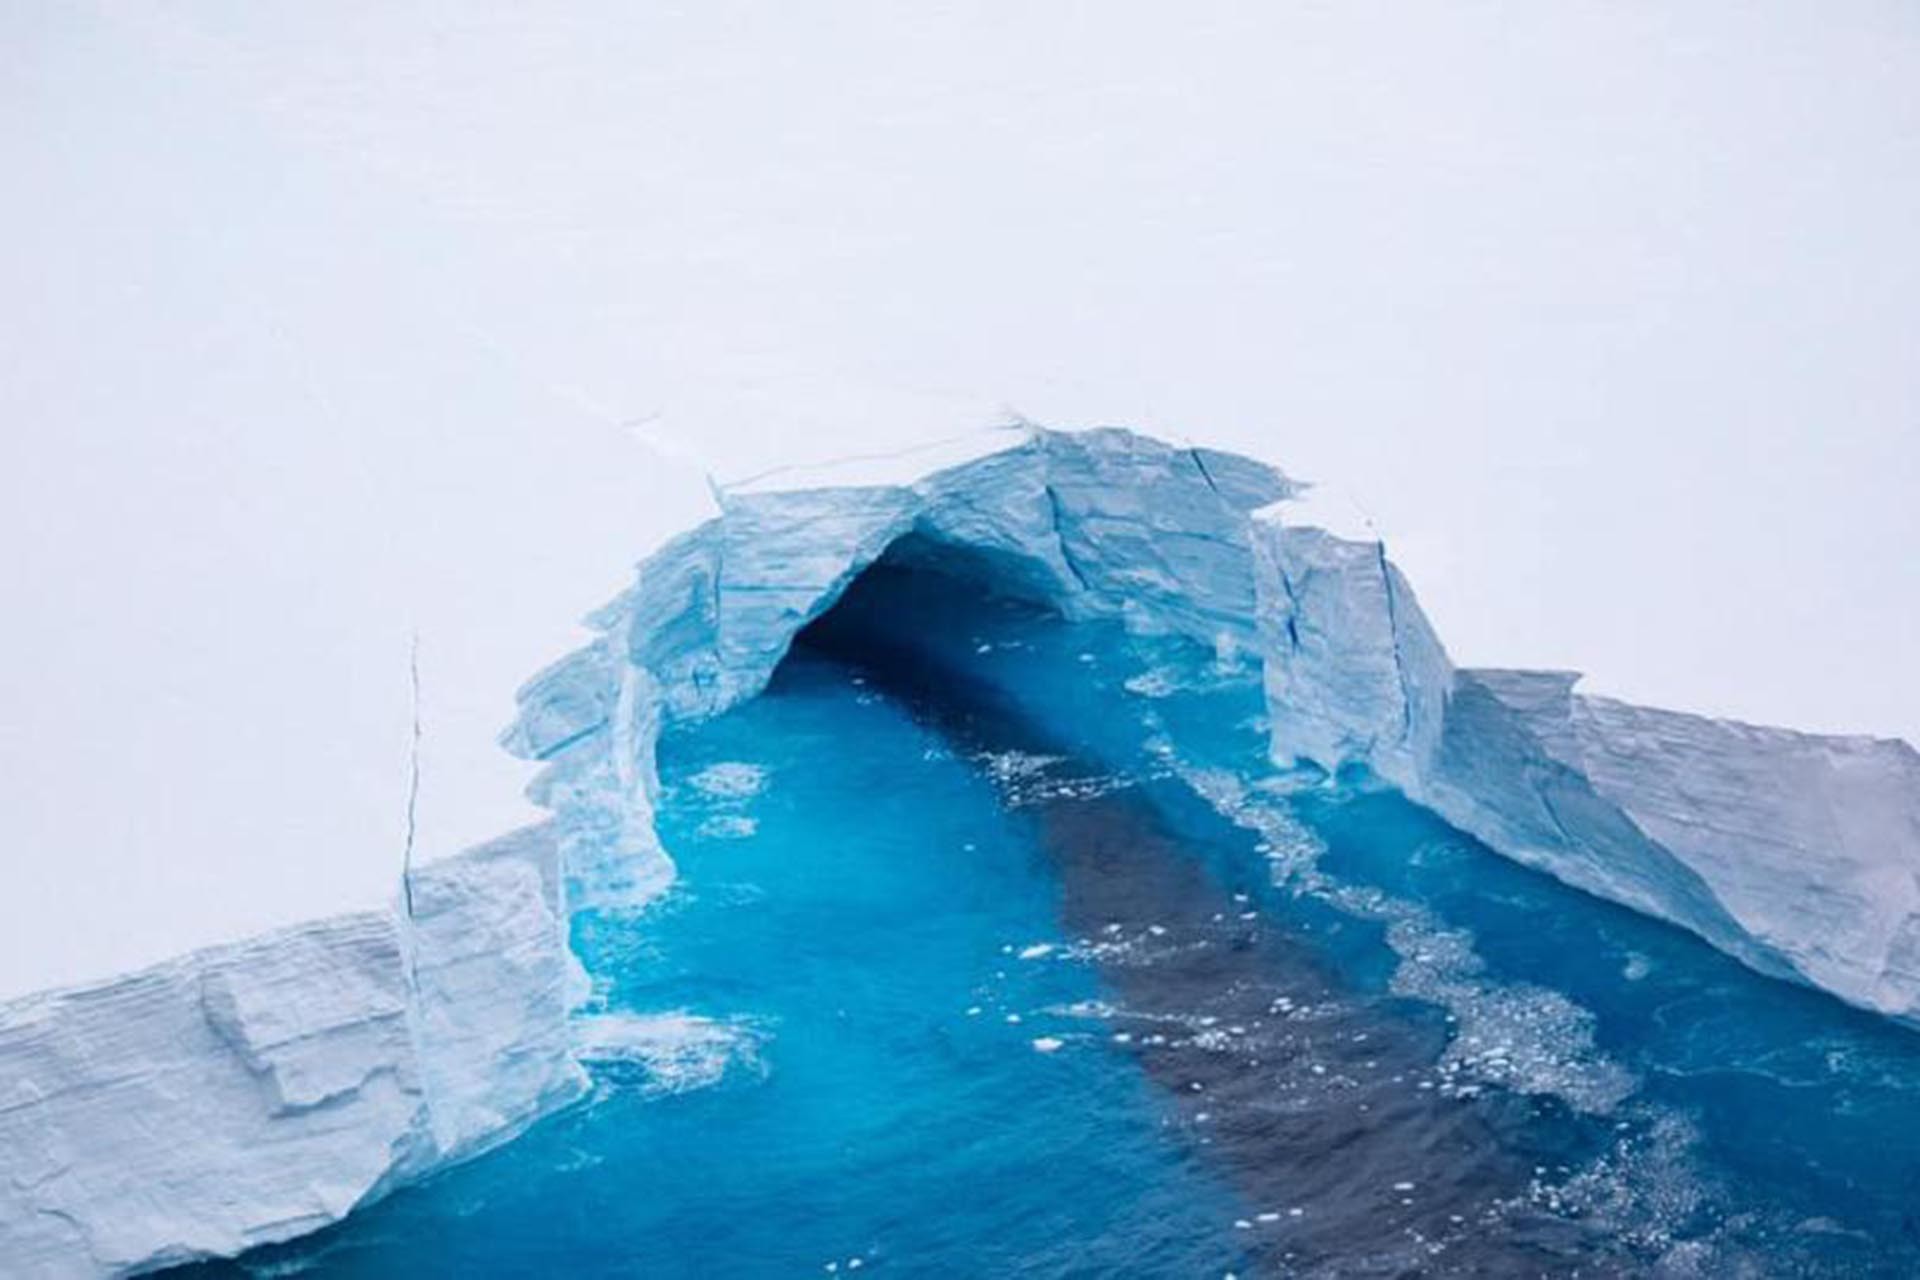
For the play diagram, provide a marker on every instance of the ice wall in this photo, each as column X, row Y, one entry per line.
column 256, row 1091
column 253, row 1092
column 1101, row 523
column 1799, row 854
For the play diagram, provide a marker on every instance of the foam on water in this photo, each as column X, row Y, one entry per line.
column 730, row 779
column 669, row 1052
column 1518, row 1036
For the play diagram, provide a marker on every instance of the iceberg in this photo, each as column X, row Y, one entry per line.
column 1795, row 853
column 252, row 1092
column 256, row 1091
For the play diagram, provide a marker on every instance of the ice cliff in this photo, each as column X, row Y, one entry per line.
column 253, row 1092
column 1799, row 854
column 256, row 1091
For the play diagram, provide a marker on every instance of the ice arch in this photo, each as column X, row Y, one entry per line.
column 259, row 1090
column 1095, row 524
column 1798, row 854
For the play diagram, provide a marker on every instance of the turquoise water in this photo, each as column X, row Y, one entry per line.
column 997, row 950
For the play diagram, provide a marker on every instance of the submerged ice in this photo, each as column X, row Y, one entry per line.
column 1190, row 706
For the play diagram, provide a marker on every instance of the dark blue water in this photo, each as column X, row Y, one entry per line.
column 997, row 950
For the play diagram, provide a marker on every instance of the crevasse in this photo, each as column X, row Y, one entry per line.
column 256, row 1091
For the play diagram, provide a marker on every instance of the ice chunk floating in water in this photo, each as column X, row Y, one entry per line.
column 1076, row 868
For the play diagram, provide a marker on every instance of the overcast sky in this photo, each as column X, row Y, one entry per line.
column 322, row 321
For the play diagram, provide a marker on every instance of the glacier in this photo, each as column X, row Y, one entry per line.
column 256, row 1091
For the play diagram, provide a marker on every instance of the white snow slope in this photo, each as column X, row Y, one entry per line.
column 255, row 1091
column 328, row 324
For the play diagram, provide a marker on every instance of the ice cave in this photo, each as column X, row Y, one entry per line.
column 1073, row 862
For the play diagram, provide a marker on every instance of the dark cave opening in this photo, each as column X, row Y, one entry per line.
column 1169, row 902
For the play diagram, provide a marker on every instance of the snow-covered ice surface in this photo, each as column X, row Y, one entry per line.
column 331, row 325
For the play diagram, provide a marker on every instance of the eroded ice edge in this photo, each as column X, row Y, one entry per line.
column 257, row 1091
